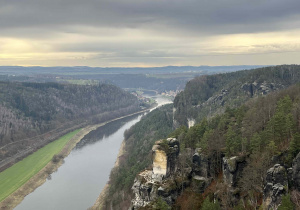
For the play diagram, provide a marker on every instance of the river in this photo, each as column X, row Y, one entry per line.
column 79, row 181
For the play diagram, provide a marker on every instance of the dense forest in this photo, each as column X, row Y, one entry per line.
column 210, row 94
column 242, row 152
column 31, row 113
column 264, row 131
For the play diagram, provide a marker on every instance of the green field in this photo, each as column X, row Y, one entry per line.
column 17, row 175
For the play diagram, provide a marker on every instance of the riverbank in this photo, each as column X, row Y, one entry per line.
column 38, row 179
column 102, row 197
column 98, row 205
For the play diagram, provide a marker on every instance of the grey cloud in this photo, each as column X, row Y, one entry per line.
column 166, row 16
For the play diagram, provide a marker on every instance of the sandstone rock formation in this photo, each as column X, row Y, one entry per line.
column 258, row 88
column 200, row 164
column 148, row 185
column 232, row 169
column 296, row 172
column 275, row 187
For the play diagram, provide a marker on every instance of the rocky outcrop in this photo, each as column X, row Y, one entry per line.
column 167, row 180
column 200, row 171
column 275, row 186
column 191, row 122
column 279, row 180
column 200, row 164
column 145, row 188
column 165, row 153
column 150, row 184
column 200, row 183
column 176, row 124
column 159, row 161
column 232, row 169
column 257, row 88
column 295, row 172
column 218, row 98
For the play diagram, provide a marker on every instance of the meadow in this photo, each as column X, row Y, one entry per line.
column 18, row 174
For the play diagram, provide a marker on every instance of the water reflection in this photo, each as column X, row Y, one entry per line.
column 78, row 182
column 103, row 132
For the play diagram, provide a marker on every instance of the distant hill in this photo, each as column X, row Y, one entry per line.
column 157, row 78
column 20, row 70
column 40, row 112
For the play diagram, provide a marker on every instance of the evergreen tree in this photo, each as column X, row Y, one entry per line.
column 294, row 146
column 255, row 143
column 286, row 203
column 208, row 205
column 204, row 140
column 161, row 205
column 272, row 148
column 289, row 125
column 195, row 133
column 233, row 142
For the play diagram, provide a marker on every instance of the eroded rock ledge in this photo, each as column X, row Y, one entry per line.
column 150, row 183
column 169, row 176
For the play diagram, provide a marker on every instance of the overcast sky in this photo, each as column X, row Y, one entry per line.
column 149, row 32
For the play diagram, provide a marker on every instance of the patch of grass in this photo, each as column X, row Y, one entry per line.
column 18, row 174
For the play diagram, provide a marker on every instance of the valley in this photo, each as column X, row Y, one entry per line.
column 149, row 105
column 219, row 140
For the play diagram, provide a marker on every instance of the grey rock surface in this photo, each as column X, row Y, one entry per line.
column 275, row 186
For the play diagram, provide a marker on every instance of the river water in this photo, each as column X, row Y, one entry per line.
column 79, row 181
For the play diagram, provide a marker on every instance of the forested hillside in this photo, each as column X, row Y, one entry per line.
column 242, row 153
column 261, row 133
column 138, row 142
column 28, row 110
column 211, row 94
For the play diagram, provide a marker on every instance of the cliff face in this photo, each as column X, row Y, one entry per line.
column 295, row 172
column 168, row 179
column 150, row 184
column 165, row 153
column 159, row 161
column 232, row 169
column 169, row 176
column 276, row 186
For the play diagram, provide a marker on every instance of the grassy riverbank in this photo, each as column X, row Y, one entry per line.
column 17, row 175
column 36, row 180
